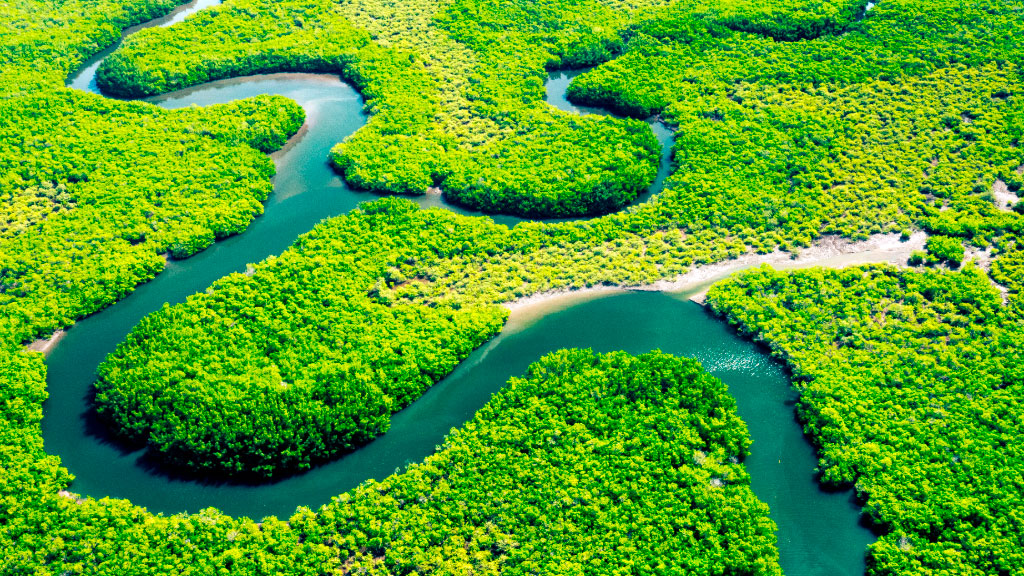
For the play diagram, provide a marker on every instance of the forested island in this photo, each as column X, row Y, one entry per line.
column 793, row 121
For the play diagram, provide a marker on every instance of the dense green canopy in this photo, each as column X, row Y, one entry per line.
column 911, row 389
column 448, row 109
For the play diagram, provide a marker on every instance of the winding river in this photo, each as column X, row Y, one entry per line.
column 818, row 534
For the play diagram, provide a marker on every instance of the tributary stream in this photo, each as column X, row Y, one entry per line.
column 819, row 534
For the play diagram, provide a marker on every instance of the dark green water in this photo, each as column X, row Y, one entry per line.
column 818, row 531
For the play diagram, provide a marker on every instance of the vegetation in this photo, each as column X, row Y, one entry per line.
column 448, row 110
column 41, row 42
column 916, row 120
column 307, row 357
column 814, row 143
column 910, row 387
column 610, row 463
column 760, row 166
column 99, row 191
column 785, row 21
column 1008, row 268
column 946, row 249
column 679, row 53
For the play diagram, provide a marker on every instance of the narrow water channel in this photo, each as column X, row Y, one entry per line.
column 818, row 531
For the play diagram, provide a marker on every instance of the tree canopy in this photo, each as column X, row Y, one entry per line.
column 911, row 389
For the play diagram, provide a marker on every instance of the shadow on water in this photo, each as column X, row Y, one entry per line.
column 96, row 430
column 819, row 533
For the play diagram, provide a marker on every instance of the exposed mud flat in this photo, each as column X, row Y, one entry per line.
column 830, row 251
column 44, row 345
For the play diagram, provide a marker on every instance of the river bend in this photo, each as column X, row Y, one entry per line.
column 818, row 533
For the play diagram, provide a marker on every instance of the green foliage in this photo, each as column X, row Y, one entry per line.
column 23, row 209
column 910, row 387
column 794, row 160
column 675, row 52
column 448, row 110
column 306, row 357
column 93, row 192
column 1008, row 268
column 946, row 249
column 904, row 119
column 570, row 34
column 96, row 191
column 612, row 179
column 274, row 38
column 610, row 463
column 42, row 41
column 790, row 21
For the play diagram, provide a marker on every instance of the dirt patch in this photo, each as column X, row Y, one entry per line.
column 45, row 345
column 829, row 251
column 1002, row 196
column 557, row 298
column 983, row 258
column 70, row 496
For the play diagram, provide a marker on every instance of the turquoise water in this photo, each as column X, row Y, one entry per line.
column 818, row 531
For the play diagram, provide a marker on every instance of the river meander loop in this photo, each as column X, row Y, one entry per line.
column 818, row 533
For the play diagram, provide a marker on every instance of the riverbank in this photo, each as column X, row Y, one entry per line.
column 829, row 251
column 45, row 345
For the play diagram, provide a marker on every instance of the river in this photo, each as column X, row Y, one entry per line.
column 818, row 531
